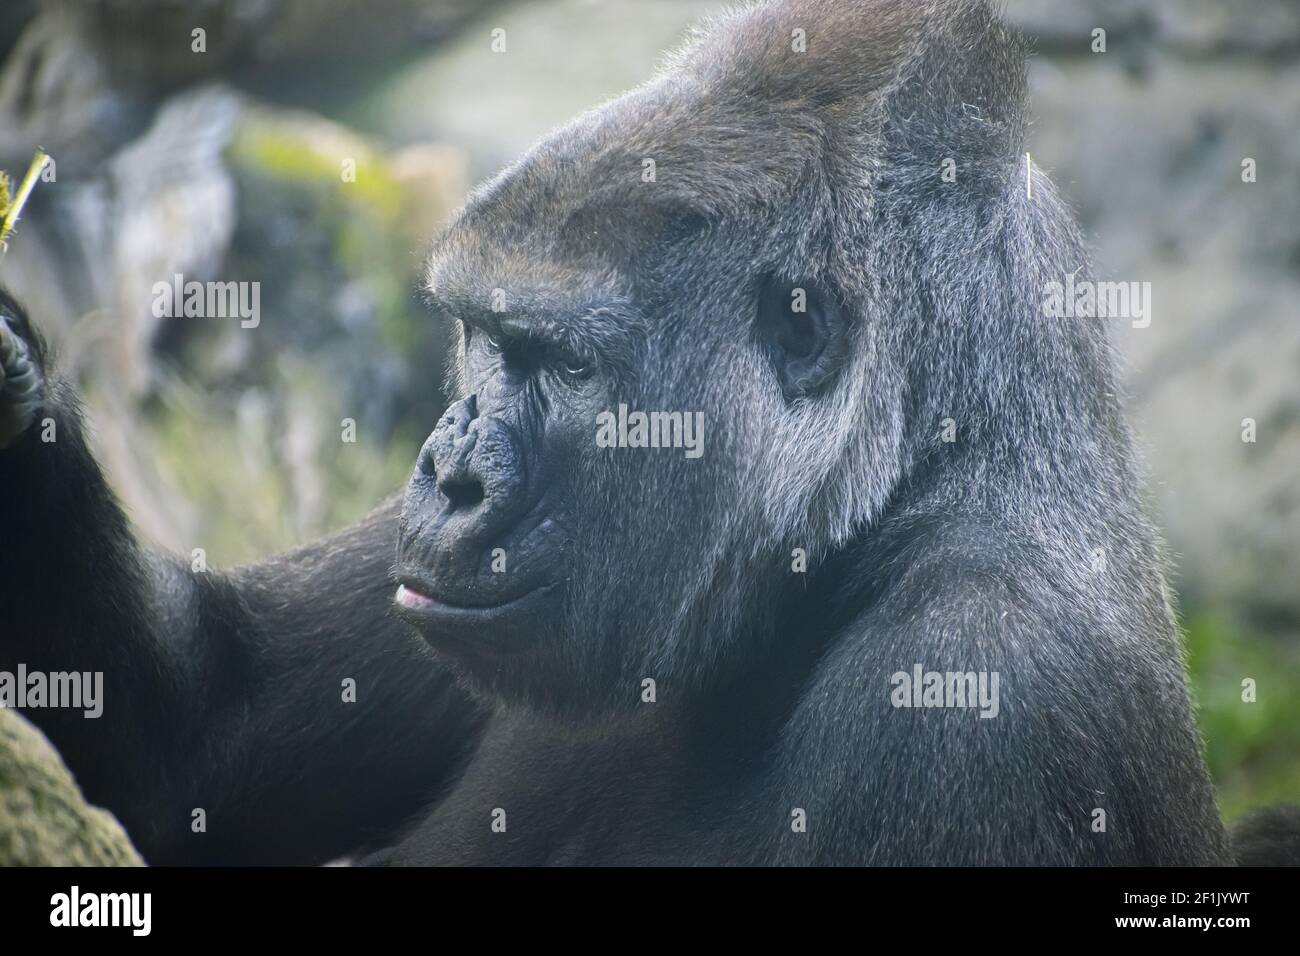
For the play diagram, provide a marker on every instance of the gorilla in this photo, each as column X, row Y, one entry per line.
column 568, row 651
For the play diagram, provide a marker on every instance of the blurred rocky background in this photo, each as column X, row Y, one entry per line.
column 230, row 163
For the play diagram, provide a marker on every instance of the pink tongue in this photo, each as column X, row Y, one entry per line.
column 412, row 599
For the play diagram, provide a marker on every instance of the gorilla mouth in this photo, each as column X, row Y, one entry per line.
column 477, row 628
column 417, row 599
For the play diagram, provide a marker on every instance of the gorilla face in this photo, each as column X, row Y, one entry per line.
column 562, row 569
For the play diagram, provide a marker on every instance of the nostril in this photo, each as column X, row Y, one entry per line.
column 461, row 494
column 426, row 463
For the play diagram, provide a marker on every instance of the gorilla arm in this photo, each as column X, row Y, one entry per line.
column 221, row 692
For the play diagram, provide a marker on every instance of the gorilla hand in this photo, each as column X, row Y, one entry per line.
column 22, row 378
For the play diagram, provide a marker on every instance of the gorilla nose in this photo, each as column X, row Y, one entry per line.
column 475, row 465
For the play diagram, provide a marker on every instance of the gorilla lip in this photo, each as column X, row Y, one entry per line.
column 474, row 631
column 414, row 597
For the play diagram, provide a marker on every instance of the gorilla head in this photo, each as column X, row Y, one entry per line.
column 763, row 239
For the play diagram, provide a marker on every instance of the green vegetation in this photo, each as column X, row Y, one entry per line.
column 1253, row 748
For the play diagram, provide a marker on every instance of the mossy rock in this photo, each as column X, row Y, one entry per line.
column 44, row 820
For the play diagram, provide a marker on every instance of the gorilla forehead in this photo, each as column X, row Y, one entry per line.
column 788, row 139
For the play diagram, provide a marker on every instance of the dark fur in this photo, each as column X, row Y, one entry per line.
column 1268, row 837
column 773, row 686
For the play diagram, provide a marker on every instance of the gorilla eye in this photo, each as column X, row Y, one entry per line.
column 579, row 370
column 802, row 327
column 493, row 342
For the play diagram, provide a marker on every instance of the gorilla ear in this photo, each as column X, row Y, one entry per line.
column 803, row 329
